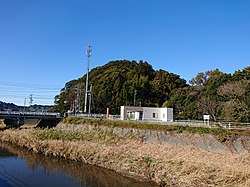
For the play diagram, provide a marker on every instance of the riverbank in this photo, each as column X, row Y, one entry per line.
column 132, row 154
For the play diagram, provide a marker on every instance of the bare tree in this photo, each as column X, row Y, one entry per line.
column 209, row 105
column 236, row 95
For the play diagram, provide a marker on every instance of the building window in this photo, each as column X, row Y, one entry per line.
column 155, row 115
column 163, row 115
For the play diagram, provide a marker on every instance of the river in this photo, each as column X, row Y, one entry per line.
column 22, row 168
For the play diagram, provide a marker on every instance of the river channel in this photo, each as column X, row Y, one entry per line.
column 22, row 168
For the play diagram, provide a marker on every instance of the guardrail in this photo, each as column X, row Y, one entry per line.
column 235, row 125
column 30, row 113
column 89, row 115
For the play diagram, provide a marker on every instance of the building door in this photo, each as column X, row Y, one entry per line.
column 140, row 115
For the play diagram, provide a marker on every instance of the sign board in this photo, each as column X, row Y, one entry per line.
column 206, row 117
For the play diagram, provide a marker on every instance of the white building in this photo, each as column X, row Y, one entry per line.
column 146, row 113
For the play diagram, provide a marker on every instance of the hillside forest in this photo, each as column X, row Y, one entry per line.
column 225, row 97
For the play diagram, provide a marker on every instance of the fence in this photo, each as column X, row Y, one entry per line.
column 192, row 123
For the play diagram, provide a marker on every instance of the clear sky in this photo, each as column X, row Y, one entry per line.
column 42, row 42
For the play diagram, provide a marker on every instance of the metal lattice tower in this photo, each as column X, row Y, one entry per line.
column 31, row 99
column 88, row 54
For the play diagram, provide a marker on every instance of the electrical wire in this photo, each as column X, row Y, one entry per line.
column 13, row 91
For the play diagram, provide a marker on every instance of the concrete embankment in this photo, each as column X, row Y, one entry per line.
column 168, row 158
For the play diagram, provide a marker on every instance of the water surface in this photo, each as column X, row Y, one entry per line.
column 22, row 168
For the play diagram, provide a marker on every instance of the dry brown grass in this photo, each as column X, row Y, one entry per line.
column 2, row 125
column 165, row 164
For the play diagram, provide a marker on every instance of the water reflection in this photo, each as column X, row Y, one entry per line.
column 19, row 167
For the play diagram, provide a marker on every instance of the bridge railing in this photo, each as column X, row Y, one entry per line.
column 30, row 113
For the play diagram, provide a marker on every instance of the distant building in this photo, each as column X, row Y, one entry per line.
column 146, row 113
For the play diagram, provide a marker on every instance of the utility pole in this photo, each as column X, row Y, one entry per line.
column 135, row 92
column 24, row 104
column 31, row 100
column 80, row 101
column 90, row 98
column 77, row 99
column 88, row 54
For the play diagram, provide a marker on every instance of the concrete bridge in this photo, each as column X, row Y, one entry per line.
column 15, row 119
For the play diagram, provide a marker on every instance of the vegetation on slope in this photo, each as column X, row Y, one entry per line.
column 221, row 133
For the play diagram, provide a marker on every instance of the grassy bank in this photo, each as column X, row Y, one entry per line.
column 221, row 133
column 167, row 165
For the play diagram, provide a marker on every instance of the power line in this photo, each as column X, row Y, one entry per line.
column 29, row 85
column 14, row 91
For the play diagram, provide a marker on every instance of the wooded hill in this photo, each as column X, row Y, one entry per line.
column 8, row 106
column 122, row 82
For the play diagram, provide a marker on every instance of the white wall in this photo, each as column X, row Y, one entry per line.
column 137, row 115
column 135, row 110
column 167, row 114
column 122, row 113
column 170, row 115
column 149, row 113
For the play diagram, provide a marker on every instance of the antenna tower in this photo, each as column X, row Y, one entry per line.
column 24, row 104
column 88, row 54
column 31, row 99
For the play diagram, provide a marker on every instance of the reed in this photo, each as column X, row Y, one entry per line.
column 58, row 134
column 2, row 125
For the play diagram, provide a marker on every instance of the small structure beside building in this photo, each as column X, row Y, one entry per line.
column 146, row 113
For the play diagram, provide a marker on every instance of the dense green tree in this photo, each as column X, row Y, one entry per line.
column 183, row 101
column 119, row 83
column 242, row 75
column 199, row 79
column 164, row 83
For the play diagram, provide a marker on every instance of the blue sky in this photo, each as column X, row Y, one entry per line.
column 42, row 42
